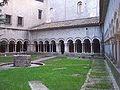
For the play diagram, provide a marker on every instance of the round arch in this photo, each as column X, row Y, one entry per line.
column 78, row 46
column 40, row 46
column 96, row 46
column 11, row 46
column 53, row 46
column 19, row 46
column 87, row 46
column 62, row 46
column 70, row 45
column 36, row 46
column 3, row 46
column 47, row 47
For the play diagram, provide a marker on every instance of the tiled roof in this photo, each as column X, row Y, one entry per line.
column 68, row 23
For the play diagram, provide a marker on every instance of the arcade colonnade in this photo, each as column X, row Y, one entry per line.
column 77, row 46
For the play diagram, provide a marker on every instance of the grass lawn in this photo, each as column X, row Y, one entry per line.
column 5, row 59
column 58, row 74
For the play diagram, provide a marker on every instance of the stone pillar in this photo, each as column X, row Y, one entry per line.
column 66, row 48
column 114, row 52
column 83, row 48
column 40, row 48
column 75, row 48
column 15, row 48
column 57, row 48
column 7, row 48
column 33, row 47
column 21, row 49
column 118, row 53
column 50, row 47
column 91, row 48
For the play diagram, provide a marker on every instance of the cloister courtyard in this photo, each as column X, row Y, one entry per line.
column 59, row 73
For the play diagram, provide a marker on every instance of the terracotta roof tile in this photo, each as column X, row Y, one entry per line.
column 68, row 23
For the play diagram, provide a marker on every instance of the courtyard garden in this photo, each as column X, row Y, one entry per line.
column 10, row 58
column 61, row 73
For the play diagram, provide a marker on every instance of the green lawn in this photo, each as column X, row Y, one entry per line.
column 4, row 59
column 58, row 74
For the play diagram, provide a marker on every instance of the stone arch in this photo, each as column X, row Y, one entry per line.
column 70, row 38
column 11, row 46
column 19, row 46
column 70, row 45
column 53, row 46
column 87, row 37
column 46, row 39
column 19, row 40
column 35, row 40
column 87, row 46
column 78, row 46
column 53, row 39
column 41, row 46
column 12, row 39
column 36, row 46
column 60, row 39
column 62, row 46
column 3, row 45
column 78, row 38
column 25, row 45
column 47, row 47
column 4, row 39
column 27, row 41
column 96, row 46
column 95, row 37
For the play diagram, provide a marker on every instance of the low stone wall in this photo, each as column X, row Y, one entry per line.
column 22, row 60
column 114, row 70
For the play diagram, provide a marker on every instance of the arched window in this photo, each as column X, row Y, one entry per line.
column 79, row 7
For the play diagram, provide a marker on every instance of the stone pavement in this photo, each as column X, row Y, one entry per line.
column 37, row 85
column 43, row 59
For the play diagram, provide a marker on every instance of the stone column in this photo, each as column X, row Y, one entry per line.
column 43, row 48
column 91, row 48
column 75, row 48
column 21, row 49
column 50, row 47
column 118, row 53
column 66, row 48
column 7, row 47
column 33, row 48
column 83, row 48
column 57, row 48
column 15, row 48
column 114, row 52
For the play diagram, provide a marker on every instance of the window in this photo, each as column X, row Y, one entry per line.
column 20, row 21
column 8, row 19
column 39, row 14
column 79, row 7
column 40, row 0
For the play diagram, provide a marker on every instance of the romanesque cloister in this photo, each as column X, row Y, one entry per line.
column 61, row 46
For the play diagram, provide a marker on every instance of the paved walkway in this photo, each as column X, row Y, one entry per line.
column 43, row 59
column 37, row 85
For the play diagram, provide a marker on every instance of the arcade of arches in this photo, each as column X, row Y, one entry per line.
column 60, row 47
